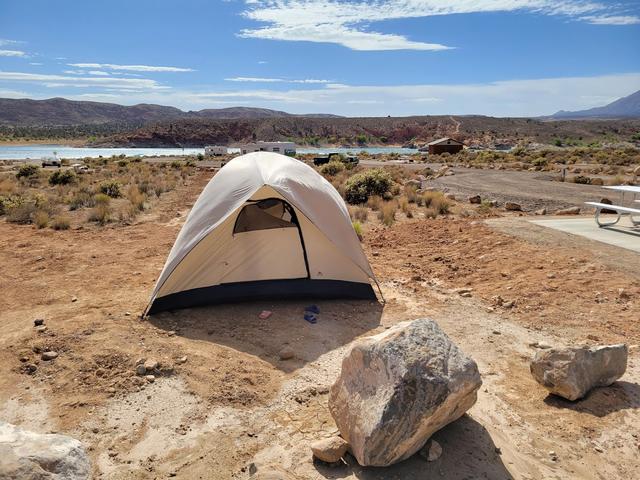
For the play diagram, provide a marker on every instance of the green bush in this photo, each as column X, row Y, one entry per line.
column 112, row 188
column 361, row 186
column 27, row 170
column 62, row 177
column 332, row 168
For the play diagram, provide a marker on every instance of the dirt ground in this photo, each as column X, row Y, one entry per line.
column 234, row 408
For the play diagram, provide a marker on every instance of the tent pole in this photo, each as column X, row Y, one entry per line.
column 380, row 290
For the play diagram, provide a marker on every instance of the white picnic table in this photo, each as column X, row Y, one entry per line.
column 619, row 209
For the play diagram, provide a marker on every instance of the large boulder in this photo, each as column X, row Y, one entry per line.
column 399, row 387
column 34, row 456
column 572, row 372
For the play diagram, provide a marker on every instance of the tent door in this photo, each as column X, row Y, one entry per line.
column 267, row 243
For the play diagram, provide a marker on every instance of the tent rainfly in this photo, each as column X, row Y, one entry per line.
column 266, row 226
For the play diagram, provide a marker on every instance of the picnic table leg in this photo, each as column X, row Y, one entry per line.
column 600, row 224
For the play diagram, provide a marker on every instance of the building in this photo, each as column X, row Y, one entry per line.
column 446, row 144
column 215, row 150
column 285, row 148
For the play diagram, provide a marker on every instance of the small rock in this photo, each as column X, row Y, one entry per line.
column 181, row 360
column 127, row 314
column 171, row 333
column 572, row 372
column 41, row 328
column 30, row 368
column 598, row 449
column 553, row 456
column 329, row 450
column 431, row 451
column 140, row 369
column 543, row 345
column 551, row 275
column 476, row 199
column 38, row 321
column 542, row 211
column 150, row 378
column 286, row 353
column 449, row 196
column 569, row 211
column 150, row 365
column 496, row 332
column 50, row 355
column 513, row 207
column 74, row 299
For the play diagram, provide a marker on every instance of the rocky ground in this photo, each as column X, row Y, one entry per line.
column 221, row 403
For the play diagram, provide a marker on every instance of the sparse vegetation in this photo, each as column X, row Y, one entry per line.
column 363, row 185
column 332, row 168
column 62, row 177
column 61, row 222
column 27, row 170
column 112, row 188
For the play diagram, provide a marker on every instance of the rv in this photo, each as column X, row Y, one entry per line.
column 215, row 150
column 285, row 148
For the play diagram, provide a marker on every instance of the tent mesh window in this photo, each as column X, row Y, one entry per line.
column 265, row 215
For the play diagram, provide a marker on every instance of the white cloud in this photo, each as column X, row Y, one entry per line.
column 516, row 98
column 613, row 20
column 275, row 80
column 53, row 81
column 347, row 23
column 12, row 53
column 98, row 72
column 36, row 63
column 5, row 41
column 131, row 68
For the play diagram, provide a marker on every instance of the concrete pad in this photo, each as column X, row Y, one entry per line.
column 623, row 235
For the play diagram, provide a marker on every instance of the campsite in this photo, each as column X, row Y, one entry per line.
column 319, row 240
column 245, row 396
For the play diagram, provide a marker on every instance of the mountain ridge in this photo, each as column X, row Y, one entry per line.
column 61, row 111
column 625, row 107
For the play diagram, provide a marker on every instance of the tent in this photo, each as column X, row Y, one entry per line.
column 266, row 226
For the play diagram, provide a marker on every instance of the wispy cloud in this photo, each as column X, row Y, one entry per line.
column 12, row 53
column 505, row 98
column 613, row 20
column 347, row 23
column 275, row 80
column 53, row 81
column 130, row 68
column 5, row 41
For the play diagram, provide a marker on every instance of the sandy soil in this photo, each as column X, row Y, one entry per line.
column 234, row 407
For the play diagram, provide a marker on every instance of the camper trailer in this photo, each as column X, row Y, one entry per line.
column 215, row 150
column 284, row 148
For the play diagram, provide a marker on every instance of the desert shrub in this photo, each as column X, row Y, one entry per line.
column 387, row 213
column 374, row 202
column 112, row 188
column 361, row 214
column 430, row 212
column 62, row 177
column 437, row 201
column 83, row 197
column 597, row 181
column 363, row 185
column 41, row 218
column 485, row 206
column 123, row 162
column 7, row 186
column 21, row 212
column 357, row 227
column 411, row 193
column 176, row 164
column 582, row 179
column 200, row 157
column 617, row 180
column 332, row 168
column 61, row 222
column 136, row 198
column 27, row 170
column 101, row 213
column 405, row 207
column 189, row 163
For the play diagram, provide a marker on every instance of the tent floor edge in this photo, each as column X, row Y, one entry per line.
column 287, row 289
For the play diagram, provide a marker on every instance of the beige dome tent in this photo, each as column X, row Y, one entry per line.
column 265, row 226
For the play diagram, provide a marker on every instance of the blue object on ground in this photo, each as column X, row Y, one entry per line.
column 310, row 317
column 312, row 309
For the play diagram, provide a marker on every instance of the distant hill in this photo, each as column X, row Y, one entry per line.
column 60, row 111
column 626, row 107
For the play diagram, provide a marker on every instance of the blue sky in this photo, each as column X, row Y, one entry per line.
column 411, row 57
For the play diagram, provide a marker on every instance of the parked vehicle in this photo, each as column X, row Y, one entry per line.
column 51, row 162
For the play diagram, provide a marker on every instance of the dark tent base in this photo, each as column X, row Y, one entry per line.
column 264, row 290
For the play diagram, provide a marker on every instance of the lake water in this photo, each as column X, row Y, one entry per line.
column 36, row 152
